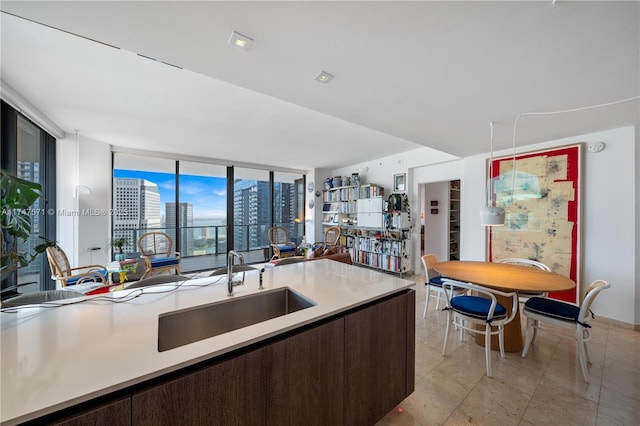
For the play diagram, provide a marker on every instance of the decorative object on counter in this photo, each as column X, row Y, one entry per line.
column 491, row 215
column 399, row 182
column 304, row 247
column 122, row 268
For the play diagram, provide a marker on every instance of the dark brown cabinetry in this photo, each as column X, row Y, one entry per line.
column 306, row 377
column 379, row 358
column 230, row 392
column 114, row 413
column 351, row 369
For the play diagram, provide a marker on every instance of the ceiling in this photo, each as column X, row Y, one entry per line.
column 407, row 74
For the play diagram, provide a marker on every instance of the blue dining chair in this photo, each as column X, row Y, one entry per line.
column 433, row 281
column 566, row 315
column 477, row 310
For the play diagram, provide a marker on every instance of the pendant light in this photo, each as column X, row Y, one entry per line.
column 491, row 215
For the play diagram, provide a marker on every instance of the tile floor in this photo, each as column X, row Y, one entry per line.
column 546, row 388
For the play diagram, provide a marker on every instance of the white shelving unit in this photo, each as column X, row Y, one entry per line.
column 374, row 237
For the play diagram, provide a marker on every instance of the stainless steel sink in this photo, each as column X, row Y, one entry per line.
column 190, row 325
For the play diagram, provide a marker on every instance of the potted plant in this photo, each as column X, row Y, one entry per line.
column 118, row 244
column 18, row 197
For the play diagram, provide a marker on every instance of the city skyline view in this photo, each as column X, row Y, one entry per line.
column 206, row 194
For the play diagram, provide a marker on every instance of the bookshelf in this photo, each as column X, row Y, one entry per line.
column 454, row 220
column 373, row 235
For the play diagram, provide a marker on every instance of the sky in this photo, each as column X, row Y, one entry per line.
column 207, row 194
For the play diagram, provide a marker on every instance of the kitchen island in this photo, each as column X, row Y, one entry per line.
column 348, row 359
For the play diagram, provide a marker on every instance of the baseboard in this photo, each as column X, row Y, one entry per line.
column 617, row 323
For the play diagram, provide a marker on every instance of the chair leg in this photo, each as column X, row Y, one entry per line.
column 582, row 352
column 529, row 335
column 438, row 300
column 501, row 340
column 426, row 302
column 585, row 333
column 487, row 348
column 446, row 333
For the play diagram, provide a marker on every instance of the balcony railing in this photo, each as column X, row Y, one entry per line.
column 196, row 242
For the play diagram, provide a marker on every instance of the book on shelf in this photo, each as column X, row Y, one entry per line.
column 371, row 190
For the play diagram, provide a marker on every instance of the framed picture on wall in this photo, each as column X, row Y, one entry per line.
column 542, row 197
column 399, row 182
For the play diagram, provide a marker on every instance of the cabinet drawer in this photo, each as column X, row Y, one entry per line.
column 370, row 220
column 371, row 205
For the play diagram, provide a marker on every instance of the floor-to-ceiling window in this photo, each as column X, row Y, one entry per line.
column 202, row 214
column 194, row 202
column 143, row 189
column 252, row 216
column 28, row 152
column 288, row 203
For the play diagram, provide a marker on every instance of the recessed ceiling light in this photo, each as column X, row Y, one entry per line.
column 240, row 41
column 323, row 77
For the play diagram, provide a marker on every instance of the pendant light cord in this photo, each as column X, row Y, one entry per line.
column 515, row 126
column 490, row 185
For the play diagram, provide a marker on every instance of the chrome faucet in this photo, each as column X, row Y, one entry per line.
column 230, row 282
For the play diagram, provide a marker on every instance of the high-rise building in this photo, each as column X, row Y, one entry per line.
column 251, row 214
column 136, row 208
column 184, row 223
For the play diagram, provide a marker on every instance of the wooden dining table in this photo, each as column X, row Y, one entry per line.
column 505, row 277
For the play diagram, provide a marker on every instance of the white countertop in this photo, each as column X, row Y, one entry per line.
column 57, row 357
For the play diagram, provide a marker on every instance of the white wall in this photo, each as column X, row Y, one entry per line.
column 84, row 221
